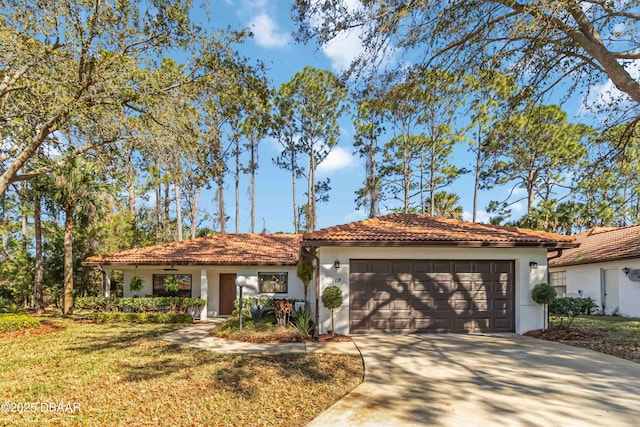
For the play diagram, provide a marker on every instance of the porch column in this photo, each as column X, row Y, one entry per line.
column 204, row 293
column 106, row 282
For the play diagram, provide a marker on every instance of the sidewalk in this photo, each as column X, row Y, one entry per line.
column 197, row 335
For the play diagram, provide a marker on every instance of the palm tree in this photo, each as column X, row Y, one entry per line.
column 77, row 191
column 447, row 205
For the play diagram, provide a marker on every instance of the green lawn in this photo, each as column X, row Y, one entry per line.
column 619, row 336
column 121, row 374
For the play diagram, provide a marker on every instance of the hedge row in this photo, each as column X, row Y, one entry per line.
column 117, row 317
column 13, row 322
column 139, row 305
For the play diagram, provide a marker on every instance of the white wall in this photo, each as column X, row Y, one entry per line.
column 295, row 287
column 528, row 314
column 587, row 278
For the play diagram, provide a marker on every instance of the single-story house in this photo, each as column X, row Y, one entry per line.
column 599, row 269
column 398, row 273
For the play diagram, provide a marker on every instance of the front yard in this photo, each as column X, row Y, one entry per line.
column 618, row 336
column 110, row 374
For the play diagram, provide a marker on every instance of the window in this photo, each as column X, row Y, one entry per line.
column 558, row 280
column 185, row 285
column 273, row 283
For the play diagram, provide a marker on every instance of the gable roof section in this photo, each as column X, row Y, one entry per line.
column 221, row 249
column 600, row 245
column 420, row 230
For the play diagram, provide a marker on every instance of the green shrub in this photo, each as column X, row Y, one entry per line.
column 119, row 317
column 139, row 305
column 5, row 305
column 135, row 284
column 13, row 322
column 587, row 306
column 567, row 308
column 301, row 320
column 257, row 312
column 171, row 284
column 543, row 293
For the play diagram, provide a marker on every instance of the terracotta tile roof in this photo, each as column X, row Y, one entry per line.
column 242, row 249
column 601, row 244
column 413, row 229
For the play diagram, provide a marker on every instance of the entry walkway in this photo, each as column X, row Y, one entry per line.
column 197, row 335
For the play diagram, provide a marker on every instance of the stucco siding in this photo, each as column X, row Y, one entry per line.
column 295, row 289
column 588, row 278
column 528, row 315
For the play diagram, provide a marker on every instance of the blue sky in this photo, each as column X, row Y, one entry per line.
column 271, row 23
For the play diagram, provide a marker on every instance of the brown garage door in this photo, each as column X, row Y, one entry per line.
column 431, row 296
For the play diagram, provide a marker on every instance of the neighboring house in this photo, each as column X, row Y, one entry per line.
column 599, row 268
column 398, row 273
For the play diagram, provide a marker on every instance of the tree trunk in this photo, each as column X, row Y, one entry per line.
column 252, row 167
column 432, row 179
column 237, row 185
column 167, row 206
column 407, row 180
column 10, row 173
column 24, row 231
column 311, row 191
column 68, row 262
column 476, row 185
column 131, row 177
column 38, row 279
column 296, row 224
column 176, row 190
column 423, row 209
column 194, row 212
column 221, row 212
column 158, row 212
column 372, row 184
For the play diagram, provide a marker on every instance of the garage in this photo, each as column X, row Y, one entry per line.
column 405, row 296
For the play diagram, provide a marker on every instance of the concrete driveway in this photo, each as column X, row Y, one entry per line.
column 482, row 380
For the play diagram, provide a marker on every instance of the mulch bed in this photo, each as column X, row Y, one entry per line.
column 335, row 338
column 596, row 340
column 43, row 329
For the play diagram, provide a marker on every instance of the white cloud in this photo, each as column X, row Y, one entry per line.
column 518, row 208
column 343, row 49
column 255, row 4
column 267, row 33
column 355, row 215
column 600, row 96
column 481, row 216
column 338, row 158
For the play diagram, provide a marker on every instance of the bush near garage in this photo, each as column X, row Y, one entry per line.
column 567, row 308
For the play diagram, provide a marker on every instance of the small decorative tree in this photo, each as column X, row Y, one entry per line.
column 135, row 285
column 171, row 285
column 543, row 293
column 332, row 299
column 305, row 274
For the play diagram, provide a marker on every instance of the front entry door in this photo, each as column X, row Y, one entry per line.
column 610, row 292
column 227, row 293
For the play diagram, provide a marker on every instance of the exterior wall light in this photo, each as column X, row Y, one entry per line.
column 336, row 264
column 626, row 271
column 533, row 265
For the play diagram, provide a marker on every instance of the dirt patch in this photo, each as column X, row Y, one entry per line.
column 43, row 329
column 597, row 340
column 335, row 338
